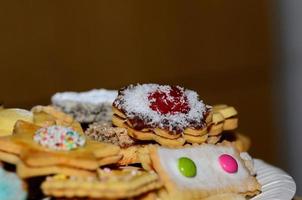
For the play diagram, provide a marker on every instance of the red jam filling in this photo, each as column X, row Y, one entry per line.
column 171, row 102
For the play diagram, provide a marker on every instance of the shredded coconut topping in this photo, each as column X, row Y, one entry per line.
column 168, row 107
column 95, row 96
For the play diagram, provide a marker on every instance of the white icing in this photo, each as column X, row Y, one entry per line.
column 210, row 174
column 96, row 96
column 249, row 163
column 135, row 103
column 59, row 138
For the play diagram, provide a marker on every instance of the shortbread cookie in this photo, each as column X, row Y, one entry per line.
column 227, row 116
column 213, row 139
column 123, row 183
column 11, row 186
column 8, row 118
column 86, row 107
column 132, row 152
column 162, row 194
column 241, row 142
column 224, row 118
column 137, row 154
column 169, row 115
column 104, row 132
column 49, row 115
column 56, row 149
column 202, row 171
column 227, row 196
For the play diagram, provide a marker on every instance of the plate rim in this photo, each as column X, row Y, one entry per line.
column 259, row 166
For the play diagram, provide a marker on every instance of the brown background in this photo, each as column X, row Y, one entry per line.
column 219, row 48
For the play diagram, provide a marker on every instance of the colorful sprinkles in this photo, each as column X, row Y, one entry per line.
column 59, row 138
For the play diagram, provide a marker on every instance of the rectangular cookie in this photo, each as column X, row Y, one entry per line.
column 215, row 171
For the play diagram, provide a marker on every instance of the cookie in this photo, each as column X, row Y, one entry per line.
column 202, row 171
column 127, row 182
column 86, row 107
column 11, row 186
column 227, row 196
column 213, row 139
column 169, row 115
column 54, row 149
column 104, row 132
column 225, row 114
column 49, row 115
column 8, row 118
column 241, row 142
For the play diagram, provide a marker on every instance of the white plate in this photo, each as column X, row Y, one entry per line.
column 276, row 184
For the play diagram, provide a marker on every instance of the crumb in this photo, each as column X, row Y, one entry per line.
column 104, row 132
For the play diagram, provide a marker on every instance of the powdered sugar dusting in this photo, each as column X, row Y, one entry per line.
column 95, row 96
column 134, row 102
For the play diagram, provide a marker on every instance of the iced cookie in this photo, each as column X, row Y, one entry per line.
column 205, row 170
column 169, row 115
column 38, row 151
column 86, row 107
column 11, row 186
column 122, row 183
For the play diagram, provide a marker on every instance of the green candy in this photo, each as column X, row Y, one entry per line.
column 187, row 167
column 70, row 133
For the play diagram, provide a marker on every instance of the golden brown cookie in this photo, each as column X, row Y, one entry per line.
column 104, row 132
column 227, row 196
column 170, row 115
column 24, row 150
column 49, row 115
column 241, row 142
column 127, row 182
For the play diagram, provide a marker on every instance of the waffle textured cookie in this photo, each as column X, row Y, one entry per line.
column 127, row 182
column 86, row 107
column 54, row 149
column 205, row 170
column 170, row 115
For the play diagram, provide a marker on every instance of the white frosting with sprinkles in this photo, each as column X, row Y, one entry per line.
column 59, row 138
column 134, row 101
column 95, row 96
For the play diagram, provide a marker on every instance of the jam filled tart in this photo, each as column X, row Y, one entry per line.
column 169, row 115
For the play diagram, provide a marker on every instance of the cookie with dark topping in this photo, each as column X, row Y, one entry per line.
column 169, row 115
column 86, row 107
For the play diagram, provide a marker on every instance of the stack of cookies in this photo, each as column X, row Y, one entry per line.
column 161, row 143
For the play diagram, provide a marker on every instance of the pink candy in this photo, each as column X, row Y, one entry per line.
column 228, row 163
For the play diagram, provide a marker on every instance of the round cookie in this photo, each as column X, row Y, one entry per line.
column 170, row 115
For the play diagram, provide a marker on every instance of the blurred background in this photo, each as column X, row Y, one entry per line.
column 243, row 53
